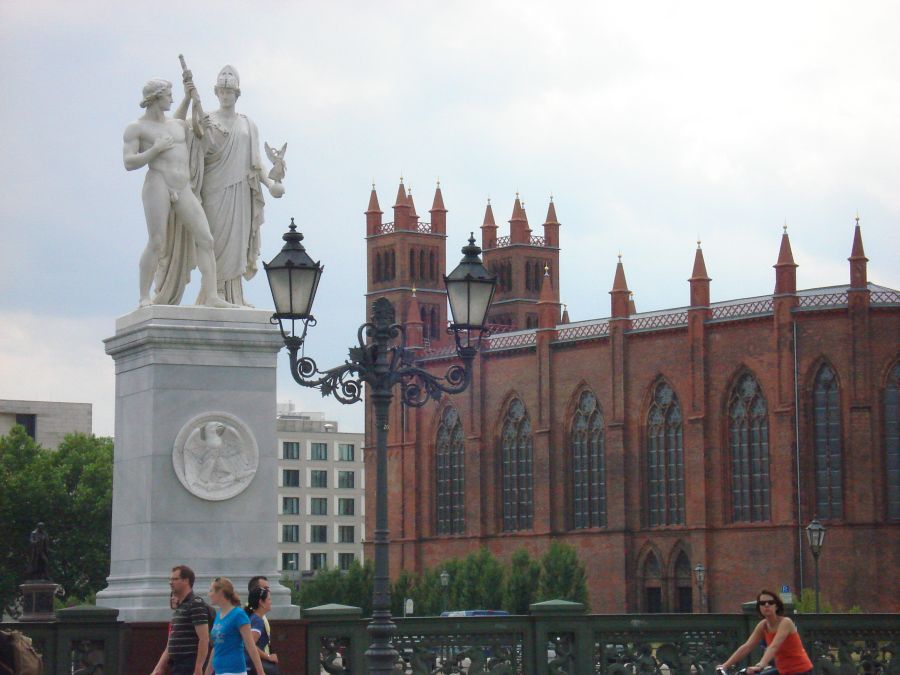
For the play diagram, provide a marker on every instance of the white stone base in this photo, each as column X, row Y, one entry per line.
column 174, row 363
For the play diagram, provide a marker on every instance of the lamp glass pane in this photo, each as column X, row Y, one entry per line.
column 280, row 284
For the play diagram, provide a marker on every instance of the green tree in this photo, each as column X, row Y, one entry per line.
column 70, row 490
column 522, row 579
column 482, row 582
column 563, row 575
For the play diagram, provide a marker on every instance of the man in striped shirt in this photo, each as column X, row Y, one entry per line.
column 188, row 642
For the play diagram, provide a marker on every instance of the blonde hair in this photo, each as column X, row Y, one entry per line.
column 224, row 586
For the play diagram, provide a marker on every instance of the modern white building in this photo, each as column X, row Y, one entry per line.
column 321, row 489
column 47, row 422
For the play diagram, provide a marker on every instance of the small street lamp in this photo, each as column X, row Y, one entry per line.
column 700, row 574
column 815, row 533
column 445, row 590
column 380, row 361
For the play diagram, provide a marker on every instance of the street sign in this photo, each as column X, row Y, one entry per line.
column 785, row 588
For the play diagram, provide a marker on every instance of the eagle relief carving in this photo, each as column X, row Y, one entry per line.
column 215, row 456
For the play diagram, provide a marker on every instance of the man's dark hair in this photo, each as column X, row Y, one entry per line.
column 185, row 572
column 254, row 582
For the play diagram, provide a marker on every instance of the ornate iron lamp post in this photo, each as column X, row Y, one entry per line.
column 815, row 533
column 445, row 587
column 700, row 574
column 381, row 361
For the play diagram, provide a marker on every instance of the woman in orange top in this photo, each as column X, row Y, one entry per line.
column 782, row 640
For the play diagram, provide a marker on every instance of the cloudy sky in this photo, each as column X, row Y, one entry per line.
column 651, row 123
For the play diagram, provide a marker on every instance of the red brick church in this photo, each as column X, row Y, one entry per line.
column 651, row 441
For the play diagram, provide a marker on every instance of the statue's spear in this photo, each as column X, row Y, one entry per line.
column 196, row 108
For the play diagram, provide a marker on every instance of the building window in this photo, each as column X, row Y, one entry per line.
column 346, row 452
column 346, row 506
column 29, row 422
column 318, row 451
column 531, row 321
column 450, row 481
column 290, row 450
column 412, row 264
column 665, row 459
column 290, row 505
column 345, row 561
column 318, row 506
column 432, row 267
column 318, row 534
column 290, row 477
column 345, row 479
column 290, row 561
column 378, row 272
column 892, row 441
column 588, row 464
column 318, row 478
column 318, row 561
column 748, row 435
column 517, row 449
column 346, row 534
column 827, row 443
column 290, row 533
column 422, row 265
column 652, row 585
column 684, row 585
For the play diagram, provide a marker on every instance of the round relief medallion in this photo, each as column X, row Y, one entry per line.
column 215, row 456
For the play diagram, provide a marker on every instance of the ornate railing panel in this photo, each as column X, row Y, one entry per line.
column 502, row 241
column 590, row 331
column 742, row 310
column 823, row 300
column 659, row 321
column 507, row 341
column 538, row 240
column 385, row 228
column 624, row 644
column 884, row 298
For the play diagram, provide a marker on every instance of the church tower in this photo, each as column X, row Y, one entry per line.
column 520, row 260
column 408, row 256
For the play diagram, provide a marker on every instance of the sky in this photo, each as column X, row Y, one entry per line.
column 653, row 125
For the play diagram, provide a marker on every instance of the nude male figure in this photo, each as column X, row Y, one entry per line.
column 160, row 143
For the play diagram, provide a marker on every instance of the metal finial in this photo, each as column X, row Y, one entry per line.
column 439, row 182
column 373, row 183
column 857, row 217
column 414, row 291
column 489, row 200
column 631, row 295
column 620, row 256
column 551, row 197
column 785, row 225
column 698, row 241
column 401, row 178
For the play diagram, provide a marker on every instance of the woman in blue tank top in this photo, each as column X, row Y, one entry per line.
column 230, row 634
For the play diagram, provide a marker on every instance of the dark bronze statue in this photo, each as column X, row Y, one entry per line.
column 38, row 554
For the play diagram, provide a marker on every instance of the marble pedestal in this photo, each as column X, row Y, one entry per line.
column 195, row 479
column 37, row 600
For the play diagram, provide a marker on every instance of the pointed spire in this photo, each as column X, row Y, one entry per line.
column 619, row 283
column 438, row 212
column 632, row 309
column 785, row 268
column 401, row 194
column 489, row 216
column 410, row 204
column 438, row 202
column 551, row 213
column 414, row 332
column 565, row 315
column 488, row 228
column 548, row 307
column 699, row 271
column 619, row 293
column 518, row 224
column 373, row 202
column 857, row 251
column 858, row 272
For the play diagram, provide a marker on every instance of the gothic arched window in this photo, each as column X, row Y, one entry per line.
column 412, row 264
column 652, row 576
column 827, row 444
column 684, row 585
column 517, row 450
column 391, row 265
column 665, row 459
column 422, row 265
column 432, row 267
column 748, row 437
column 434, row 322
column 892, row 441
column 588, row 464
column 378, row 269
column 450, row 465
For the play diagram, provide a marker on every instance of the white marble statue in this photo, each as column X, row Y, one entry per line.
column 179, row 234
column 230, row 179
